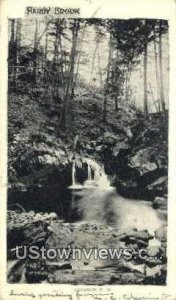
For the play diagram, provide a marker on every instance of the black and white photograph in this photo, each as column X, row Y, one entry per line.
column 88, row 113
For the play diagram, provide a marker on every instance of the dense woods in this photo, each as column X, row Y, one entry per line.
column 54, row 57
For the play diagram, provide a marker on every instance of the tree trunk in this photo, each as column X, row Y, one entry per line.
column 61, row 62
column 93, row 61
column 18, row 45
column 126, row 87
column 35, row 52
column 71, row 85
column 107, row 79
column 12, row 38
column 156, row 71
column 99, row 67
column 161, row 72
column 153, row 98
column 66, row 118
column 55, row 60
column 79, row 58
column 116, row 101
column 44, row 64
column 12, row 52
column 145, row 82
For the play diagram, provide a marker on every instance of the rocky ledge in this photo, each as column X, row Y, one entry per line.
column 46, row 230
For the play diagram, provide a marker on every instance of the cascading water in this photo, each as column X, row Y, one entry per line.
column 89, row 177
column 97, row 202
column 99, row 179
column 74, row 173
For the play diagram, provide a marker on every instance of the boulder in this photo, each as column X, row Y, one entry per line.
column 54, row 265
column 99, row 148
column 19, row 233
column 19, row 186
column 159, row 185
column 152, row 262
column 35, row 271
column 109, row 138
column 142, row 161
column 160, row 202
column 153, row 251
column 161, row 233
column 53, row 216
column 153, row 272
column 140, row 237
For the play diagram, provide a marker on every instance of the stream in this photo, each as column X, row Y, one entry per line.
column 95, row 201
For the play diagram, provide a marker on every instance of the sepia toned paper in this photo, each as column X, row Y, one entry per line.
column 88, row 149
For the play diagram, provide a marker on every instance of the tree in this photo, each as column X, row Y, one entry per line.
column 107, row 78
column 132, row 38
column 156, row 69
column 12, row 51
column 161, row 68
column 145, row 74
column 35, row 49
column 66, row 118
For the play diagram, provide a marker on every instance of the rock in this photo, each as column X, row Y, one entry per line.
column 128, row 132
column 19, row 186
column 138, row 268
column 140, row 242
column 88, row 147
column 85, row 277
column 99, row 148
column 51, row 278
column 137, row 235
column 35, row 271
column 15, row 270
column 154, row 251
column 127, row 187
column 38, row 216
column 153, row 272
column 159, row 185
column 60, row 237
column 115, row 279
column 161, row 233
column 92, row 143
column 160, row 202
column 53, row 216
column 50, row 129
column 162, row 213
column 58, row 265
column 31, row 213
column 152, row 262
column 142, row 161
column 115, row 151
column 21, row 234
column 164, row 247
column 109, row 139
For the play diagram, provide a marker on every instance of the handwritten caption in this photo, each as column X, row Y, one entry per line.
column 95, row 293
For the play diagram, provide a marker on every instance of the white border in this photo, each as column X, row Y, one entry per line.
column 165, row 9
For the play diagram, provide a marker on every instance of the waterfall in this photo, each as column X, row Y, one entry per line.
column 89, row 172
column 73, row 173
column 100, row 179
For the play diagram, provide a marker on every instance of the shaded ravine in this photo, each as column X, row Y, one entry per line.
column 93, row 201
